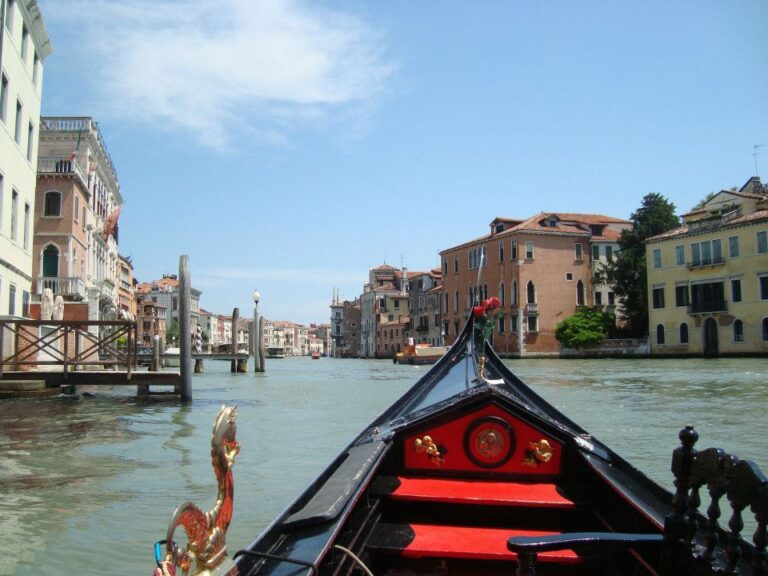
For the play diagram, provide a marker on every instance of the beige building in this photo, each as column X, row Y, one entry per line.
column 708, row 279
column 25, row 44
column 541, row 268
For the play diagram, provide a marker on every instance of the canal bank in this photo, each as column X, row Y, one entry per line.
column 105, row 472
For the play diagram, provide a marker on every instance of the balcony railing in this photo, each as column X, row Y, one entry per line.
column 532, row 308
column 700, row 263
column 61, row 165
column 64, row 286
column 708, row 306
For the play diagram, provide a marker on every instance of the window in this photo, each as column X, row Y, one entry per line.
column 706, row 253
column 683, row 333
column 763, row 287
column 9, row 14
column 24, row 303
column 77, row 208
column 52, row 204
column 611, row 299
column 580, row 293
column 595, row 252
column 660, row 334
column 531, row 293
column 502, row 294
column 456, row 302
column 501, row 324
column 513, row 324
column 4, row 99
column 533, row 323
column 27, row 209
column 680, row 255
column 514, row 249
column 609, row 253
column 762, row 242
column 529, row 249
column 738, row 331
column 578, row 248
column 765, row 329
column 445, row 266
column 514, row 293
column 17, row 129
column 14, row 214
column 681, row 295
column 569, row 276
column 397, row 303
column 445, row 303
column 501, row 251
column 455, row 263
column 657, row 258
column 30, row 141
column 736, row 289
column 12, row 299
column 658, row 297
column 36, row 71
column 733, row 246
column 456, row 327
column 24, row 43
column 598, row 298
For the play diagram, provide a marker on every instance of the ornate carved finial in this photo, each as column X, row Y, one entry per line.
column 538, row 453
column 206, row 532
column 432, row 450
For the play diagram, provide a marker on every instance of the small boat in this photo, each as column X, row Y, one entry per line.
column 171, row 357
column 315, row 355
column 472, row 473
column 275, row 352
column 420, row 354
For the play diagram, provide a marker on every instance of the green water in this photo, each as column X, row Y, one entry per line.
column 87, row 485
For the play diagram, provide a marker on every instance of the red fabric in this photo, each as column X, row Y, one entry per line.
column 475, row 543
column 478, row 492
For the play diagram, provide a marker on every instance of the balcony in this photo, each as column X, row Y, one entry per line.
column 704, row 262
column 73, row 288
column 62, row 165
column 708, row 306
column 532, row 308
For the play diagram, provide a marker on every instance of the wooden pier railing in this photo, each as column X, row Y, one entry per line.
column 68, row 344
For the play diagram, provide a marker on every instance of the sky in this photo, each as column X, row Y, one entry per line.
column 290, row 146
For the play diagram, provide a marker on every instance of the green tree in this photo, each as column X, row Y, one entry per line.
column 585, row 327
column 628, row 273
column 172, row 332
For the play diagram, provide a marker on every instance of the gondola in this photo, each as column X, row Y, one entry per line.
column 472, row 473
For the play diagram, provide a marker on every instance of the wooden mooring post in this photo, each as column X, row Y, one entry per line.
column 235, row 322
column 185, row 336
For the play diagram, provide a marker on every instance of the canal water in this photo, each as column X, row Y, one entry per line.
column 88, row 484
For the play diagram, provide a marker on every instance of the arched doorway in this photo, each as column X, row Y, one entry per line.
column 710, row 337
column 51, row 261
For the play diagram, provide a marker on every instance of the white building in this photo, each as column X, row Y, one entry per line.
column 25, row 44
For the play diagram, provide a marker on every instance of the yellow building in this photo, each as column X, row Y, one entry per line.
column 708, row 279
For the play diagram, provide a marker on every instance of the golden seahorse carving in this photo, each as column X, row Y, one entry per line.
column 206, row 532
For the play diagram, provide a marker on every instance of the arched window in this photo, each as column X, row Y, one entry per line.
column 660, row 334
column 738, row 331
column 531, row 292
column 502, row 294
column 580, row 293
column 52, row 203
column 683, row 333
column 456, row 302
column 514, row 293
column 51, row 261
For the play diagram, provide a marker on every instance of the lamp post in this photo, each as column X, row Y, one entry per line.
column 257, row 367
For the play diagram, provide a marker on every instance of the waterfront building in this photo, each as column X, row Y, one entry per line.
column 78, row 204
column 24, row 44
column 424, row 306
column 345, row 329
column 150, row 320
column 541, row 268
column 322, row 333
column 165, row 291
column 708, row 279
column 292, row 337
column 208, row 323
column 126, row 295
column 392, row 323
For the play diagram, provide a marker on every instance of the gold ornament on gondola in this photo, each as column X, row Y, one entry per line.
column 538, row 453
column 427, row 446
column 206, row 531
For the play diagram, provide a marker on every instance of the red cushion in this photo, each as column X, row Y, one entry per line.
column 478, row 492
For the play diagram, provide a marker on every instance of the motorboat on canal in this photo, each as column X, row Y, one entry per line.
column 472, row 472
column 420, row 354
column 275, row 352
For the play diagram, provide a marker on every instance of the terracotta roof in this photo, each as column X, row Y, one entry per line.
column 685, row 229
column 608, row 235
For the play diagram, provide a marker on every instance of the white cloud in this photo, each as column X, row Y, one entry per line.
column 209, row 68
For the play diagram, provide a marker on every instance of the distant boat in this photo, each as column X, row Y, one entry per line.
column 275, row 352
column 171, row 357
column 420, row 354
column 315, row 355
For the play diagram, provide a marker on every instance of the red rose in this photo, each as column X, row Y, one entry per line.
column 478, row 311
column 493, row 303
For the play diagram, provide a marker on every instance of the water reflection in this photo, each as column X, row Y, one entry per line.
column 81, row 476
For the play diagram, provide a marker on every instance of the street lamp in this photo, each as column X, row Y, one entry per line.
column 256, row 344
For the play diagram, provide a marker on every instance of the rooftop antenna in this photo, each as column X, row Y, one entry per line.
column 754, row 155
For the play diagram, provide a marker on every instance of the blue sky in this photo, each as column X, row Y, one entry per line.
column 289, row 146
